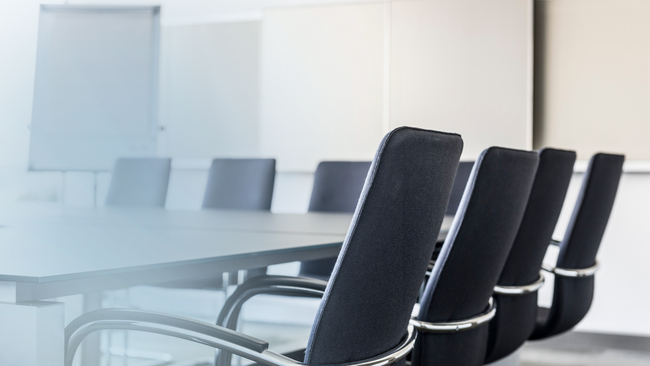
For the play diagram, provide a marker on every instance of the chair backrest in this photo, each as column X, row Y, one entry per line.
column 139, row 182
column 462, row 176
column 240, row 184
column 591, row 213
column 369, row 298
column 337, row 187
column 515, row 319
column 473, row 255
column 572, row 297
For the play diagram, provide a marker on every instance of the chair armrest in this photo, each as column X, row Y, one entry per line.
column 170, row 325
column 269, row 285
column 204, row 333
column 265, row 284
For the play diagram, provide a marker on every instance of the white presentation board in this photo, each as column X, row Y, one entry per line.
column 96, row 86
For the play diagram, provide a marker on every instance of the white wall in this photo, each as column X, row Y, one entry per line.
column 621, row 297
column 210, row 90
column 336, row 78
column 322, row 84
column 18, row 34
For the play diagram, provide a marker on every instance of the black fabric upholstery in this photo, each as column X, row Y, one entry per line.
column 462, row 176
column 376, row 280
column 139, row 182
column 572, row 297
column 240, row 184
column 515, row 320
column 337, row 187
column 473, row 256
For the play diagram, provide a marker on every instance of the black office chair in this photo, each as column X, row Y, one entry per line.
column 364, row 315
column 576, row 264
column 337, row 187
column 139, row 182
column 456, row 306
column 516, row 291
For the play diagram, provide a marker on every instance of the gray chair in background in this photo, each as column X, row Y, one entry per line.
column 337, row 187
column 240, row 184
column 456, row 306
column 139, row 182
column 364, row 315
column 576, row 265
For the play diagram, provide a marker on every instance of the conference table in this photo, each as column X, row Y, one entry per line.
column 49, row 251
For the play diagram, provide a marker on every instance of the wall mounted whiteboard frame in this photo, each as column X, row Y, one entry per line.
column 96, row 86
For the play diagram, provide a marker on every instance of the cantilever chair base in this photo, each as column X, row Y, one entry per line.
column 203, row 333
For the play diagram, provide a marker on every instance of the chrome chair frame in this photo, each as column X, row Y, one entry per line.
column 456, row 326
column 570, row 272
column 521, row 290
column 268, row 285
column 203, row 333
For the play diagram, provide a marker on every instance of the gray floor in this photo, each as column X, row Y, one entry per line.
column 587, row 349
column 574, row 349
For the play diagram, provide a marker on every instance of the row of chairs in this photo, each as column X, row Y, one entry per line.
column 479, row 303
column 239, row 184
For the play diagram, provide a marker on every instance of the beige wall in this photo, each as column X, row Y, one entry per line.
column 592, row 77
column 466, row 67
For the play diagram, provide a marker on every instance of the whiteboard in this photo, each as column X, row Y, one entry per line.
column 96, row 86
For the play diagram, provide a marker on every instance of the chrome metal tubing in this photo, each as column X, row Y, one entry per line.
column 264, row 357
column 570, row 272
column 457, row 326
column 520, row 290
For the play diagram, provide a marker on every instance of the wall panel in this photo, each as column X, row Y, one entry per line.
column 592, row 76
column 463, row 66
column 322, row 84
column 210, row 90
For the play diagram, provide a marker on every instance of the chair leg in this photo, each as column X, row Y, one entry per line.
column 125, row 352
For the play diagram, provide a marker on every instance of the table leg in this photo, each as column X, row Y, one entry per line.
column 31, row 333
column 91, row 346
